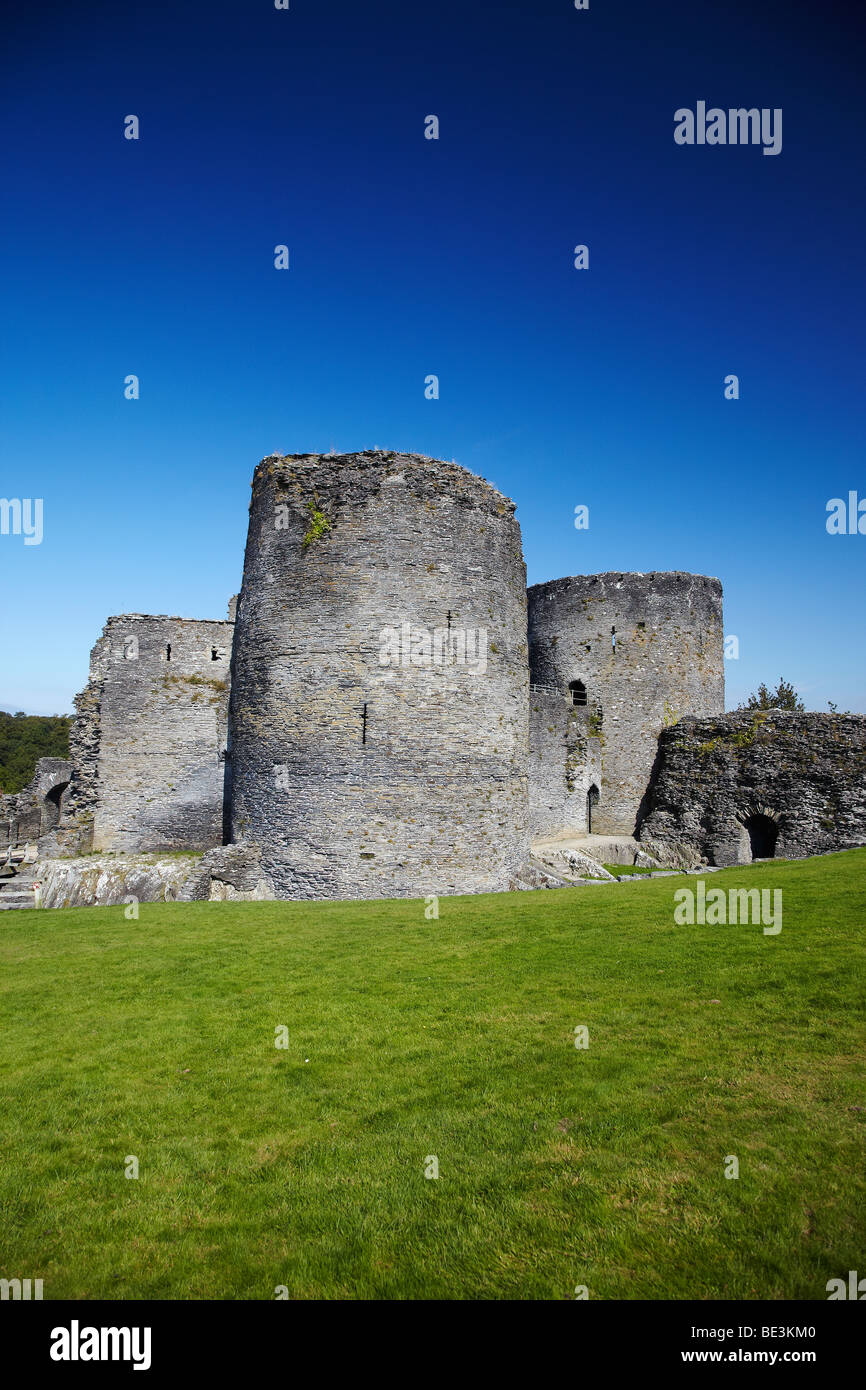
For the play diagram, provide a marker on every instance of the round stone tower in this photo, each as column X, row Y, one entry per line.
column 378, row 719
column 649, row 648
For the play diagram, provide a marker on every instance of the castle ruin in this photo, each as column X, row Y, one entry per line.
column 385, row 712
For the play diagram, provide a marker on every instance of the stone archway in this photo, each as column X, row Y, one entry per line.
column 763, row 833
column 759, row 833
column 51, row 802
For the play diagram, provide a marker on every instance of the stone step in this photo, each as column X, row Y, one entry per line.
column 17, row 892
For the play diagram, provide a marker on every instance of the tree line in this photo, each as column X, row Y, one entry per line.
column 24, row 739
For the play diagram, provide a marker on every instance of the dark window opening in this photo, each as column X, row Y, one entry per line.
column 763, row 833
column 591, row 801
column 51, row 810
column 613, row 639
column 214, row 654
column 364, row 725
column 168, row 652
column 578, row 693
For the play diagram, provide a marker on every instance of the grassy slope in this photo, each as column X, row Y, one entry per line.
column 558, row 1167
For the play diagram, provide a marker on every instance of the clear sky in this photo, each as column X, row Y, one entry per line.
column 453, row 257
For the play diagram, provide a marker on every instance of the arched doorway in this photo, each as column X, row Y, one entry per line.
column 51, row 807
column 577, row 690
column 763, row 833
column 591, row 802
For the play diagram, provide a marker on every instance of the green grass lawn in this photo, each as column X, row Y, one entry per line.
column 558, row 1167
column 625, row 870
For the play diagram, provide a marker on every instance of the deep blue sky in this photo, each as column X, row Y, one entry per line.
column 454, row 257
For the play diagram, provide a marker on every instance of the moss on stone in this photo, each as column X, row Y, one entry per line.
column 319, row 524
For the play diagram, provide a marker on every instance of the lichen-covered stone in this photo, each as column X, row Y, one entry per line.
column 536, row 875
column 236, row 875
column 573, row 863
column 798, row 780
column 107, row 880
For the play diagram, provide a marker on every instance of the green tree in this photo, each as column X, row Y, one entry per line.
column 24, row 739
column 783, row 697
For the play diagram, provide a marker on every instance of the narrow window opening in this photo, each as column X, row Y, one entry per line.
column 168, row 652
column 613, row 639
column 51, row 809
column 364, row 725
column 578, row 693
column 449, row 619
column 214, row 655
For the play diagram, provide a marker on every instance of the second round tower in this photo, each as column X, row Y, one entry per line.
column 647, row 649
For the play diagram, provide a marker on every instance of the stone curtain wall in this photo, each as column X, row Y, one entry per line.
column 28, row 815
column 428, row 793
column 668, row 661
column 75, row 833
column 564, row 762
column 805, row 772
column 149, row 742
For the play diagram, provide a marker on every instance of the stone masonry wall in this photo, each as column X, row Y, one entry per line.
column 149, row 742
column 806, row 773
column 667, row 661
column 28, row 815
column 564, row 762
column 363, row 777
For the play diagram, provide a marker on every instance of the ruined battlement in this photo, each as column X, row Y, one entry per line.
column 149, row 741
column 345, row 478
